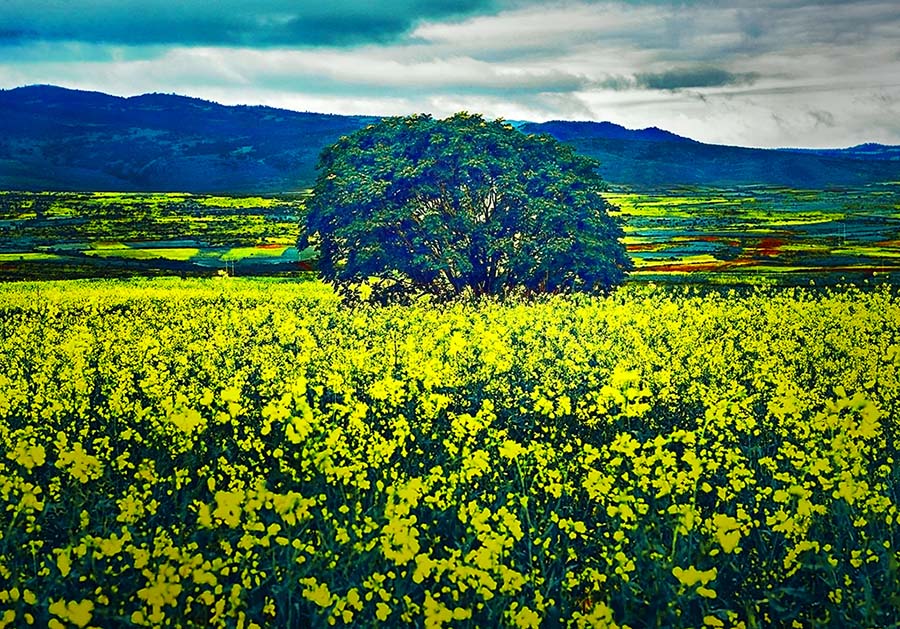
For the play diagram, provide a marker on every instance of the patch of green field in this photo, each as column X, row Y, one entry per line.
column 805, row 247
column 793, row 222
column 238, row 202
column 103, row 245
column 125, row 252
column 702, row 259
column 149, row 200
column 640, row 205
column 242, row 253
column 866, row 251
column 28, row 256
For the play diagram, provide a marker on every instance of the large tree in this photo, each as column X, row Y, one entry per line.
column 446, row 206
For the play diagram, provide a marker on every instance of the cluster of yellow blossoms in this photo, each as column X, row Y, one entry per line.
column 250, row 453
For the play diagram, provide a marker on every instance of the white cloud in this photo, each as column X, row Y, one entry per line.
column 784, row 67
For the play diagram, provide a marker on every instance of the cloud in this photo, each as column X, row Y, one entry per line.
column 679, row 79
column 822, row 117
column 693, row 77
column 375, row 71
column 535, row 30
column 14, row 35
column 358, row 73
column 716, row 70
column 225, row 22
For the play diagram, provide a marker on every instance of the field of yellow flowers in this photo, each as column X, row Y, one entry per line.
column 250, row 453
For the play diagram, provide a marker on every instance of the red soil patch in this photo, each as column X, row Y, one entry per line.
column 769, row 246
column 676, row 267
column 727, row 241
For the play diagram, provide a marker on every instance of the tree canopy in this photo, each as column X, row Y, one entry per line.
column 446, row 206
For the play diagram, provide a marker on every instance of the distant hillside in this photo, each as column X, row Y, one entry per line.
column 652, row 157
column 573, row 131
column 870, row 150
column 58, row 139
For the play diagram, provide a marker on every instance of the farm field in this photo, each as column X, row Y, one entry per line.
column 770, row 235
column 71, row 235
column 701, row 235
column 236, row 452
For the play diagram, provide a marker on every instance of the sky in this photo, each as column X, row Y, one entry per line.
column 765, row 73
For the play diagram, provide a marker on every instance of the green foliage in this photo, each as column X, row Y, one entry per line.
column 446, row 206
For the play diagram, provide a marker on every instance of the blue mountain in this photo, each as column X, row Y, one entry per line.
column 656, row 158
column 53, row 138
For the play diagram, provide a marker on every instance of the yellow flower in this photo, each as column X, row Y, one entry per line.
column 706, row 592
column 187, row 420
column 162, row 589
column 461, row 613
column 299, row 426
column 79, row 614
column 691, row 576
column 81, row 465
column 28, row 456
column 228, row 507
column 436, row 613
column 728, row 531
column 510, row 449
column 527, row 619
column 424, row 566
column 318, row 593
column 63, row 562
column 600, row 617
column 400, row 540
column 8, row 618
column 231, row 394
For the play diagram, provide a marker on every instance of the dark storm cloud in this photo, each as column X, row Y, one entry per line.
column 680, row 79
column 15, row 35
column 693, row 78
column 225, row 22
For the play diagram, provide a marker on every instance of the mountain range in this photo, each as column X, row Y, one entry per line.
column 53, row 138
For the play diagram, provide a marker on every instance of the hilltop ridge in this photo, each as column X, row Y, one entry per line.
column 54, row 138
